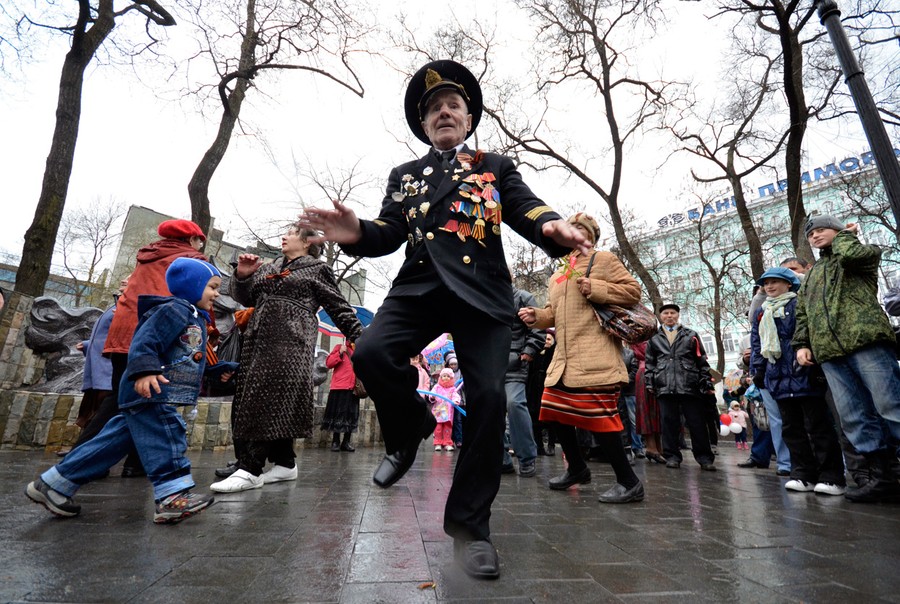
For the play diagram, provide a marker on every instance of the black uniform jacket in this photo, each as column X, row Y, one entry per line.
column 451, row 223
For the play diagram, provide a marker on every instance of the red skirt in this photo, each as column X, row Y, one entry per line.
column 593, row 409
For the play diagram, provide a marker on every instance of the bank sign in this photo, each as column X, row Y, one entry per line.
column 851, row 164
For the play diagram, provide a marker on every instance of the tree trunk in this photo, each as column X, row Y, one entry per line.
column 37, row 253
column 757, row 262
column 799, row 116
column 634, row 261
column 198, row 187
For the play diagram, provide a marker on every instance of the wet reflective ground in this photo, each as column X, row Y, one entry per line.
column 332, row 536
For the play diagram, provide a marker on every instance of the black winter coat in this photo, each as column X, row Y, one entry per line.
column 524, row 340
column 679, row 368
column 785, row 378
column 632, row 365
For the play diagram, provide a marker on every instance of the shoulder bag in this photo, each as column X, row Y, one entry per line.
column 634, row 323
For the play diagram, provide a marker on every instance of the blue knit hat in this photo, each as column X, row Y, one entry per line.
column 186, row 278
column 780, row 272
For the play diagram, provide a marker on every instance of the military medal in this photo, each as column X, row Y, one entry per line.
column 397, row 196
column 428, row 171
column 423, row 207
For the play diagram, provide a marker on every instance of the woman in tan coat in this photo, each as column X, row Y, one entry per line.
column 587, row 372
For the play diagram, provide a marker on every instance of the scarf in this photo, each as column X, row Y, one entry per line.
column 773, row 308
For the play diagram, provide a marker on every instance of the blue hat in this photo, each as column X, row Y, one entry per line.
column 780, row 272
column 186, row 278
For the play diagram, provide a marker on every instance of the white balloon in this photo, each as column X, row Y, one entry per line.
column 724, row 430
column 735, row 428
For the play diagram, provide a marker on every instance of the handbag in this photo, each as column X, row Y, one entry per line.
column 634, row 323
column 359, row 390
column 760, row 416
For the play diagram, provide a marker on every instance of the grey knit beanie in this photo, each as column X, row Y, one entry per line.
column 823, row 222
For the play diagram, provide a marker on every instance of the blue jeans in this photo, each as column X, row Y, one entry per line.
column 782, row 454
column 521, row 432
column 762, row 448
column 156, row 430
column 866, row 389
column 637, row 443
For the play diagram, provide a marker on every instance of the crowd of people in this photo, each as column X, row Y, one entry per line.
column 820, row 359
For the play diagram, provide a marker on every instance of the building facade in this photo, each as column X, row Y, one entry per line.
column 682, row 248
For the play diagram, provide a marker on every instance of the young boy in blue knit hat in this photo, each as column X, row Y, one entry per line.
column 842, row 327
column 165, row 364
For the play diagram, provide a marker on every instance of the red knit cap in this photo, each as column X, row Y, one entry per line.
column 179, row 229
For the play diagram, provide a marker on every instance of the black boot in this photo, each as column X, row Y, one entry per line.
column 345, row 445
column 336, row 442
column 882, row 485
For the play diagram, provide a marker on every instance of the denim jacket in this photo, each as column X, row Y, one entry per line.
column 170, row 340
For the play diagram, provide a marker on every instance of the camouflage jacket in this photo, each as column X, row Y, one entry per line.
column 838, row 311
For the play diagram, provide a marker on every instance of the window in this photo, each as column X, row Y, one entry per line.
column 708, row 343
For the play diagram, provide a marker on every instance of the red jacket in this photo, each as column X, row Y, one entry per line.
column 343, row 377
column 148, row 278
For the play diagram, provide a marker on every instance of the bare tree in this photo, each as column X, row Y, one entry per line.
column 86, row 235
column 92, row 25
column 731, row 138
column 806, row 63
column 318, row 38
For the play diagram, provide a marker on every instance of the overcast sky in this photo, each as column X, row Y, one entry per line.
column 139, row 149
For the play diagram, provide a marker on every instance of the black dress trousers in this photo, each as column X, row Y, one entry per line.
column 402, row 327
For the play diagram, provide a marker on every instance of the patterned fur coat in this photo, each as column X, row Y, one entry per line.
column 274, row 394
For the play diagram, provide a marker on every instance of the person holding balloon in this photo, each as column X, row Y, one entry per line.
column 738, row 425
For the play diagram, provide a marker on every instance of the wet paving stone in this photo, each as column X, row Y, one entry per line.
column 333, row 536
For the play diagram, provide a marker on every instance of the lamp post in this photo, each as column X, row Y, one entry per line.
column 879, row 143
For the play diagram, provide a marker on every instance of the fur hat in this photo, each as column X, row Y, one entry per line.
column 823, row 222
column 186, row 278
column 780, row 272
column 436, row 76
column 588, row 222
column 179, row 229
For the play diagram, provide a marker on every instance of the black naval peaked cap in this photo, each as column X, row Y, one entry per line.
column 436, row 76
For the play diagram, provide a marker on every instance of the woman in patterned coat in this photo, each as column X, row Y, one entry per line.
column 273, row 402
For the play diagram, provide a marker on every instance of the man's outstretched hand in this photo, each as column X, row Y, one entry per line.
column 339, row 225
column 566, row 235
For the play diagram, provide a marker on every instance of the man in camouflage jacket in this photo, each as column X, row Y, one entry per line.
column 842, row 327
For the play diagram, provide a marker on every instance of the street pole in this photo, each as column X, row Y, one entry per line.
column 879, row 143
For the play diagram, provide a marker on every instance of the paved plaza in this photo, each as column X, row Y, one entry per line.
column 332, row 536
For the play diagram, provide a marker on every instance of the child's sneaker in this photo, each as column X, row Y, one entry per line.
column 801, row 486
column 437, row 447
column 448, row 447
column 179, row 506
column 829, row 488
column 56, row 502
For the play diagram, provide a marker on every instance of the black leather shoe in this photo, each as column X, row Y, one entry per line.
column 778, row 472
column 752, row 463
column 673, row 463
column 561, row 483
column 336, row 446
column 346, row 446
column 619, row 494
column 228, row 470
column 709, row 467
column 396, row 464
column 130, row 472
column 478, row 558
column 508, row 469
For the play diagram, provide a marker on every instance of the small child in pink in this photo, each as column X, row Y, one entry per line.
column 443, row 411
column 741, row 418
